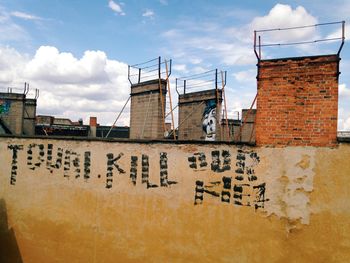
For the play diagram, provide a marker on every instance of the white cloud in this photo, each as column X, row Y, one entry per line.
column 148, row 13
column 92, row 85
column 25, row 16
column 11, row 65
column 338, row 33
column 9, row 30
column 232, row 46
column 163, row 2
column 50, row 65
column 180, row 67
column 195, row 60
column 344, row 92
column 116, row 7
column 347, row 124
column 246, row 76
column 284, row 16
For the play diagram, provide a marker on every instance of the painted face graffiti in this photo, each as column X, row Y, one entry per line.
column 4, row 106
column 209, row 121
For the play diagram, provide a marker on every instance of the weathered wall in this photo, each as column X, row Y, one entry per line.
column 248, row 126
column 297, row 101
column 29, row 117
column 95, row 201
column 146, row 110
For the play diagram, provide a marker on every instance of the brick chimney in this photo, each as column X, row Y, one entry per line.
column 93, row 125
column 297, row 101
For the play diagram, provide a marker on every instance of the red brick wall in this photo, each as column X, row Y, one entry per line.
column 297, row 101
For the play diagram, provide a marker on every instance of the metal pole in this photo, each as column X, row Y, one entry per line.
column 245, row 119
column 139, row 80
column 187, row 116
column 118, row 117
column 259, row 47
column 171, row 105
column 129, row 74
column 162, row 101
column 223, row 93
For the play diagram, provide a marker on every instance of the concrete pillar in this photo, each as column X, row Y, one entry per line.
column 93, row 126
column 248, row 126
column 29, row 117
column 233, row 127
column 199, row 115
column 297, row 101
column 12, row 111
column 146, row 117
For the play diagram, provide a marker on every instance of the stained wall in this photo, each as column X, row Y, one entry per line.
column 107, row 201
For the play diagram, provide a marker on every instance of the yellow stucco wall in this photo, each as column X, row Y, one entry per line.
column 299, row 208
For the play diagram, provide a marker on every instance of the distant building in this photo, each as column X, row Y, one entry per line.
column 51, row 126
column 17, row 112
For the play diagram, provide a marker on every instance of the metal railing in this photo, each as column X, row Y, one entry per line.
column 197, row 82
column 258, row 37
column 149, row 70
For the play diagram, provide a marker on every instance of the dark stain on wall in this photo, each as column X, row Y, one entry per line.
column 133, row 169
column 244, row 192
column 200, row 156
column 163, row 164
column 145, row 172
column 9, row 250
column 31, row 162
column 15, row 148
column 49, row 162
column 87, row 165
column 199, row 192
column 70, row 158
column 260, row 195
column 216, row 162
column 111, row 161
column 225, row 193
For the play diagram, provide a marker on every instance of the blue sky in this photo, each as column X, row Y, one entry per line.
column 76, row 52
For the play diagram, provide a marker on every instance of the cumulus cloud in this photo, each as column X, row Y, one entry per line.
column 92, row 85
column 116, row 7
column 25, row 16
column 11, row 65
column 284, row 16
column 50, row 65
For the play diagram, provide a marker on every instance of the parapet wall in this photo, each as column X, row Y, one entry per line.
column 102, row 201
column 200, row 115
column 297, row 101
column 146, row 110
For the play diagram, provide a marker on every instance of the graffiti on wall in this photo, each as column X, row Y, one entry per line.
column 240, row 187
column 72, row 163
column 237, row 183
column 209, row 120
column 5, row 106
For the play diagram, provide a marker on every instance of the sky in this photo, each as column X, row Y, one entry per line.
column 77, row 52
